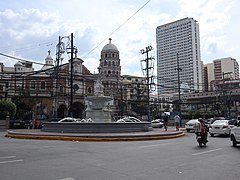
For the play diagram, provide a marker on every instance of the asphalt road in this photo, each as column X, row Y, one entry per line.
column 180, row 159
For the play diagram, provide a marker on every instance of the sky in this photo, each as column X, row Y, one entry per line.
column 29, row 29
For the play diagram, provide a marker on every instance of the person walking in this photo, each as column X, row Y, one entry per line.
column 177, row 121
column 165, row 121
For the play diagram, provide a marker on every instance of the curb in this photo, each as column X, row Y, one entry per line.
column 78, row 138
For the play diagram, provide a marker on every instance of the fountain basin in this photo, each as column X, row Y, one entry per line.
column 96, row 127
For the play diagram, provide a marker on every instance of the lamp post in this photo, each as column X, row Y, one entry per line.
column 179, row 92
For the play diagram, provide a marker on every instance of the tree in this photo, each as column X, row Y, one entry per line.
column 139, row 107
column 8, row 108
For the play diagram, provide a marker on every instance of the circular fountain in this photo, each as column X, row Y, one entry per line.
column 98, row 109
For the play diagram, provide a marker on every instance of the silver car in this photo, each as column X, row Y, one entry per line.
column 190, row 125
column 157, row 123
column 68, row 119
column 220, row 127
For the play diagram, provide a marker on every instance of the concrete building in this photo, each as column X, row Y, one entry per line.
column 220, row 69
column 47, row 90
column 226, row 67
column 179, row 37
column 110, row 69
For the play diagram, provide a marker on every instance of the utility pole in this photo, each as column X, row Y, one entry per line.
column 149, row 66
column 60, row 50
column 179, row 92
column 71, row 81
column 225, row 97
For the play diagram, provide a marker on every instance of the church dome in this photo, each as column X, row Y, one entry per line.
column 48, row 62
column 18, row 64
column 110, row 46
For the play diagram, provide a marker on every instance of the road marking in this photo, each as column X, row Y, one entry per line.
column 69, row 178
column 18, row 160
column 213, row 150
column 6, row 157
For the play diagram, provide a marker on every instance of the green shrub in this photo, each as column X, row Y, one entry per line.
column 7, row 108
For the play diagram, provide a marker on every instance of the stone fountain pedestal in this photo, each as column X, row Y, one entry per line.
column 98, row 105
column 98, row 108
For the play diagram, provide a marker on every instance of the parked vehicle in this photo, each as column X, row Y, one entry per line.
column 68, row 119
column 19, row 124
column 235, row 134
column 157, row 123
column 221, row 127
column 129, row 119
column 190, row 125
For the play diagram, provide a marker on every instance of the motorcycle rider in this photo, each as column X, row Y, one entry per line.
column 201, row 129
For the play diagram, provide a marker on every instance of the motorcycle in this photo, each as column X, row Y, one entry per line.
column 201, row 139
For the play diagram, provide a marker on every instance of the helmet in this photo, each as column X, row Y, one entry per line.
column 200, row 119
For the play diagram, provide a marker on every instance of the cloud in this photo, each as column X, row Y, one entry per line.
column 30, row 30
column 27, row 23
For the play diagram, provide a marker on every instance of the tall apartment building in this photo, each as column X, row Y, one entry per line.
column 219, row 69
column 179, row 37
column 225, row 67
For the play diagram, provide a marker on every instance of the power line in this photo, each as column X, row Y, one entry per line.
column 117, row 28
column 20, row 59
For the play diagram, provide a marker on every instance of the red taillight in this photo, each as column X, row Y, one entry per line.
column 225, row 126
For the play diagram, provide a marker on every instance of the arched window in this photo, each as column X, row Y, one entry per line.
column 109, row 63
column 89, row 90
column 61, row 89
column 105, row 63
column 109, row 72
column 42, row 85
column 113, row 63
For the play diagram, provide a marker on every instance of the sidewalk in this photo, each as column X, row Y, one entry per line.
column 155, row 134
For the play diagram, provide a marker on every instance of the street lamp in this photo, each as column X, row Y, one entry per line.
column 179, row 93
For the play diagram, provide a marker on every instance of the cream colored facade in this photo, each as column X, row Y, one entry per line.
column 228, row 66
column 179, row 41
column 219, row 69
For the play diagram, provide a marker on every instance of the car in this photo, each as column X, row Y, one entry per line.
column 133, row 119
column 128, row 119
column 157, row 123
column 221, row 127
column 235, row 134
column 190, row 125
column 68, row 119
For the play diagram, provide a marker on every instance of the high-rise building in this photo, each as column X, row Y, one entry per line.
column 178, row 49
column 225, row 67
column 219, row 69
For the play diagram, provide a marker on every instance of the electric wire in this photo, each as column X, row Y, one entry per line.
column 117, row 28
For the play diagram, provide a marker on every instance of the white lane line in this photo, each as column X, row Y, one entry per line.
column 69, row 178
column 213, row 150
column 17, row 160
column 6, row 157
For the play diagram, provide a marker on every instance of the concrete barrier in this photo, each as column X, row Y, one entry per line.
column 96, row 127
